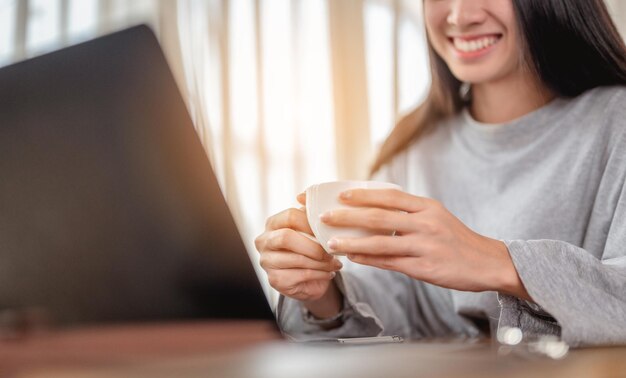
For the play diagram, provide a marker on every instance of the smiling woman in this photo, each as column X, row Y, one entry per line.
column 513, row 212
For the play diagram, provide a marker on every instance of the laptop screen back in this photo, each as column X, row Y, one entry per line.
column 109, row 208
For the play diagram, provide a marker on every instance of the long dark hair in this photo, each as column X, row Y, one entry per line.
column 571, row 45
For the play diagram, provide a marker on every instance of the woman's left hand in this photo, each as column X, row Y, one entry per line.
column 430, row 244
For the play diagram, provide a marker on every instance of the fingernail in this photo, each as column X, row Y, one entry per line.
column 350, row 256
column 325, row 216
column 338, row 264
column 346, row 195
column 332, row 244
column 332, row 274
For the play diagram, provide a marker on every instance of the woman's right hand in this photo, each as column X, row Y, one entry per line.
column 297, row 266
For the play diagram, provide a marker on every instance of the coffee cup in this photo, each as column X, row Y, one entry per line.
column 324, row 197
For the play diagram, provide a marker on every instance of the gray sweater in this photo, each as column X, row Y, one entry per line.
column 551, row 186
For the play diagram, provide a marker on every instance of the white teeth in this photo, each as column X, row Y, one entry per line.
column 474, row 45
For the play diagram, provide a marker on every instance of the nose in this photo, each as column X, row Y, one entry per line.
column 464, row 13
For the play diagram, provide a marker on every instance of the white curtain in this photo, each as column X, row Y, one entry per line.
column 287, row 93
column 281, row 89
column 283, row 93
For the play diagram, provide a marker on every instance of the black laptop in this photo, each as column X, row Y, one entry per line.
column 109, row 208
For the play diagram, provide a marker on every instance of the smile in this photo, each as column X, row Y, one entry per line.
column 474, row 46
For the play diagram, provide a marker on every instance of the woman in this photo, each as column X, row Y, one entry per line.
column 514, row 210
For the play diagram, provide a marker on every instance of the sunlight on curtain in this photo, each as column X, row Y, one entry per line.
column 379, row 17
column 244, row 110
column 123, row 13
column 44, row 29
column 8, row 15
column 33, row 27
column 201, row 40
column 413, row 67
column 83, row 19
column 298, row 125
column 313, row 114
column 279, row 97
column 278, row 93
column 397, row 80
column 258, row 76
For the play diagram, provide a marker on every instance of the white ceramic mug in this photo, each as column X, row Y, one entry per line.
column 324, row 197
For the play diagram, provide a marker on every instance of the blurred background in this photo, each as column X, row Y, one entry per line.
column 284, row 93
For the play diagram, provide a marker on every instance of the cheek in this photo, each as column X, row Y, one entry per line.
column 506, row 16
column 504, row 12
column 513, row 54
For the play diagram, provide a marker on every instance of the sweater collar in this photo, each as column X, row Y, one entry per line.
column 520, row 131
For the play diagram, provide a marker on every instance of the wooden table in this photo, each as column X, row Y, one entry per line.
column 254, row 349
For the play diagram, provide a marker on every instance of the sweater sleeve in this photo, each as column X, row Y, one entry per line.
column 374, row 305
column 577, row 295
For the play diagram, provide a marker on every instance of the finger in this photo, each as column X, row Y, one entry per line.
column 302, row 198
column 286, row 260
column 289, row 240
column 385, row 198
column 377, row 245
column 294, row 219
column 397, row 263
column 370, row 218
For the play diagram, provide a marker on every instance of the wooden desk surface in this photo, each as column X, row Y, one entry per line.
column 253, row 349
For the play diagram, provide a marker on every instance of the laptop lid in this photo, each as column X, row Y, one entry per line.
column 109, row 207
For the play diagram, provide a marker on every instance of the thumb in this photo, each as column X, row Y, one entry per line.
column 302, row 198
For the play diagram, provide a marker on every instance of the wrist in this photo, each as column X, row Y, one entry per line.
column 508, row 280
column 328, row 306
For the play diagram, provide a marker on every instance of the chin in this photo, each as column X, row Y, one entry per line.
column 472, row 77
